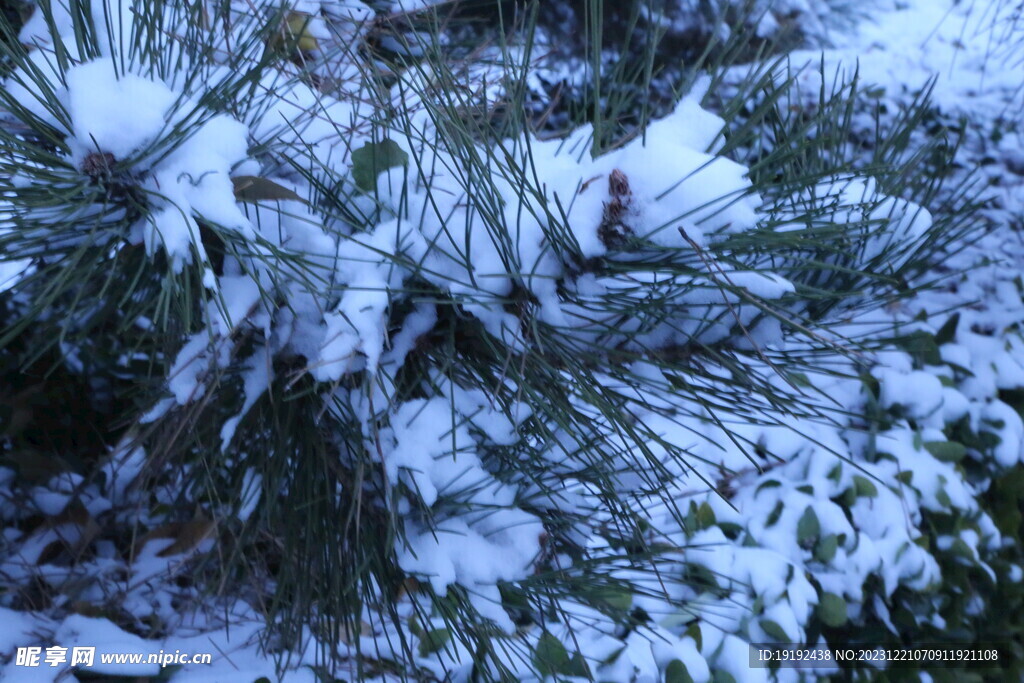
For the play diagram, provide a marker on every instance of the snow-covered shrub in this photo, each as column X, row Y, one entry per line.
column 619, row 64
column 444, row 397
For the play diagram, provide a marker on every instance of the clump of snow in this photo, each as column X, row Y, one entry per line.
column 115, row 114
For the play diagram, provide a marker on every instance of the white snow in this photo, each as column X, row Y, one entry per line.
column 780, row 501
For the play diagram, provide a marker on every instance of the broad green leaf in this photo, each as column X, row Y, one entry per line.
column 808, row 529
column 693, row 630
column 947, row 332
column 946, row 451
column 550, row 656
column 577, row 667
column 758, row 607
column 705, row 516
column 922, row 346
column 832, row 609
column 961, row 549
column 774, row 630
column 849, row 497
column 297, row 26
column 864, row 486
column 616, row 599
column 800, row 379
column 826, row 548
column 372, row 159
column 676, row 672
column 433, row 640
column 730, row 529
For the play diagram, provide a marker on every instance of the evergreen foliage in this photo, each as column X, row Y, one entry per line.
column 357, row 323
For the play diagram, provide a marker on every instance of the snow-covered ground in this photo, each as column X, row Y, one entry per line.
column 838, row 505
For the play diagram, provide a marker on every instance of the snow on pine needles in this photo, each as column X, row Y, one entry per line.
column 413, row 399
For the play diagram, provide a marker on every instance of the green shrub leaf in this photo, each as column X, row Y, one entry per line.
column 864, row 487
column 826, row 548
column 705, row 516
column 808, row 529
column 676, row 672
column 947, row 332
column 372, row 159
column 693, row 630
column 946, row 451
column 433, row 640
column 774, row 630
column 550, row 656
column 832, row 609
